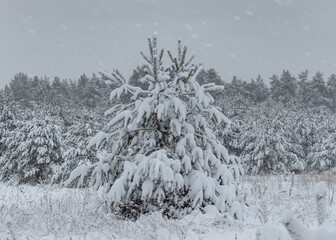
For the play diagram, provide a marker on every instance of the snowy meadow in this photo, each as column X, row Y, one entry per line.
column 49, row 212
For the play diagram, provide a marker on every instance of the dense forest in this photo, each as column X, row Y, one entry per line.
column 288, row 126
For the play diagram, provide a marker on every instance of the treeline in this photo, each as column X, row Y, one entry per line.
column 45, row 125
column 92, row 92
column 287, row 127
column 272, row 137
column 302, row 90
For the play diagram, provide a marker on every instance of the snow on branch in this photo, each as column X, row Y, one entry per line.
column 114, row 77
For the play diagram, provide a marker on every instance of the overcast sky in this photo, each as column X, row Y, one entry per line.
column 67, row 38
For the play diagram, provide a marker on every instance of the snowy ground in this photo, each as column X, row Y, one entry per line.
column 48, row 212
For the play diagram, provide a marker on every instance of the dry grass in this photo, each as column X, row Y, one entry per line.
column 34, row 212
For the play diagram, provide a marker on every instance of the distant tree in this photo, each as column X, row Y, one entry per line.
column 275, row 90
column 237, row 87
column 34, row 151
column 76, row 140
column 319, row 93
column 322, row 156
column 303, row 88
column 266, row 142
column 139, row 73
column 7, row 126
column 20, row 87
column 209, row 76
column 331, row 84
column 92, row 96
column 288, row 87
column 82, row 85
column 304, row 128
column 258, row 90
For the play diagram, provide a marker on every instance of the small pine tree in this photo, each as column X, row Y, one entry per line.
column 318, row 95
column 288, row 87
column 322, row 155
column 34, row 151
column 75, row 151
column 7, row 125
column 161, row 151
column 267, row 143
column 332, row 91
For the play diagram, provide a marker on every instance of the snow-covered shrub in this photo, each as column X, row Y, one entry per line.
column 322, row 155
column 320, row 194
column 267, row 143
column 34, row 151
column 297, row 231
column 75, row 151
column 7, row 125
column 325, row 230
column 161, row 151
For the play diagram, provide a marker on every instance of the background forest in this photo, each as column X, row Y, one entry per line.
column 286, row 127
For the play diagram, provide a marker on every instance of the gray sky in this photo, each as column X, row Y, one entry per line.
column 236, row 37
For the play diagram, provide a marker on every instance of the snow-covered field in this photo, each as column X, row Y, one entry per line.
column 49, row 212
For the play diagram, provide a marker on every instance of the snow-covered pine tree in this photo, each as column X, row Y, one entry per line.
column 162, row 152
column 318, row 94
column 7, row 125
column 266, row 142
column 305, row 129
column 235, row 109
column 76, row 140
column 322, row 156
column 34, row 151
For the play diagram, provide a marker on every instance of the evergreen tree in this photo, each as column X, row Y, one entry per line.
column 267, row 144
column 92, row 94
column 304, row 129
column 34, row 151
column 258, row 89
column 318, row 95
column 288, row 87
column 237, row 87
column 20, row 87
column 162, row 153
column 139, row 73
column 303, row 88
column 209, row 76
column 322, row 154
column 7, row 126
column 275, row 90
column 76, row 140
column 332, row 91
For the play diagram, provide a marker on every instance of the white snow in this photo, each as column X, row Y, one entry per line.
column 49, row 212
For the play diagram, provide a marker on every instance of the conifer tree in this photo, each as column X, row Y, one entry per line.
column 275, row 90
column 288, row 87
column 318, row 94
column 34, row 151
column 76, row 140
column 259, row 91
column 7, row 126
column 303, row 88
column 267, row 143
column 161, row 151
column 332, row 91
column 322, row 154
